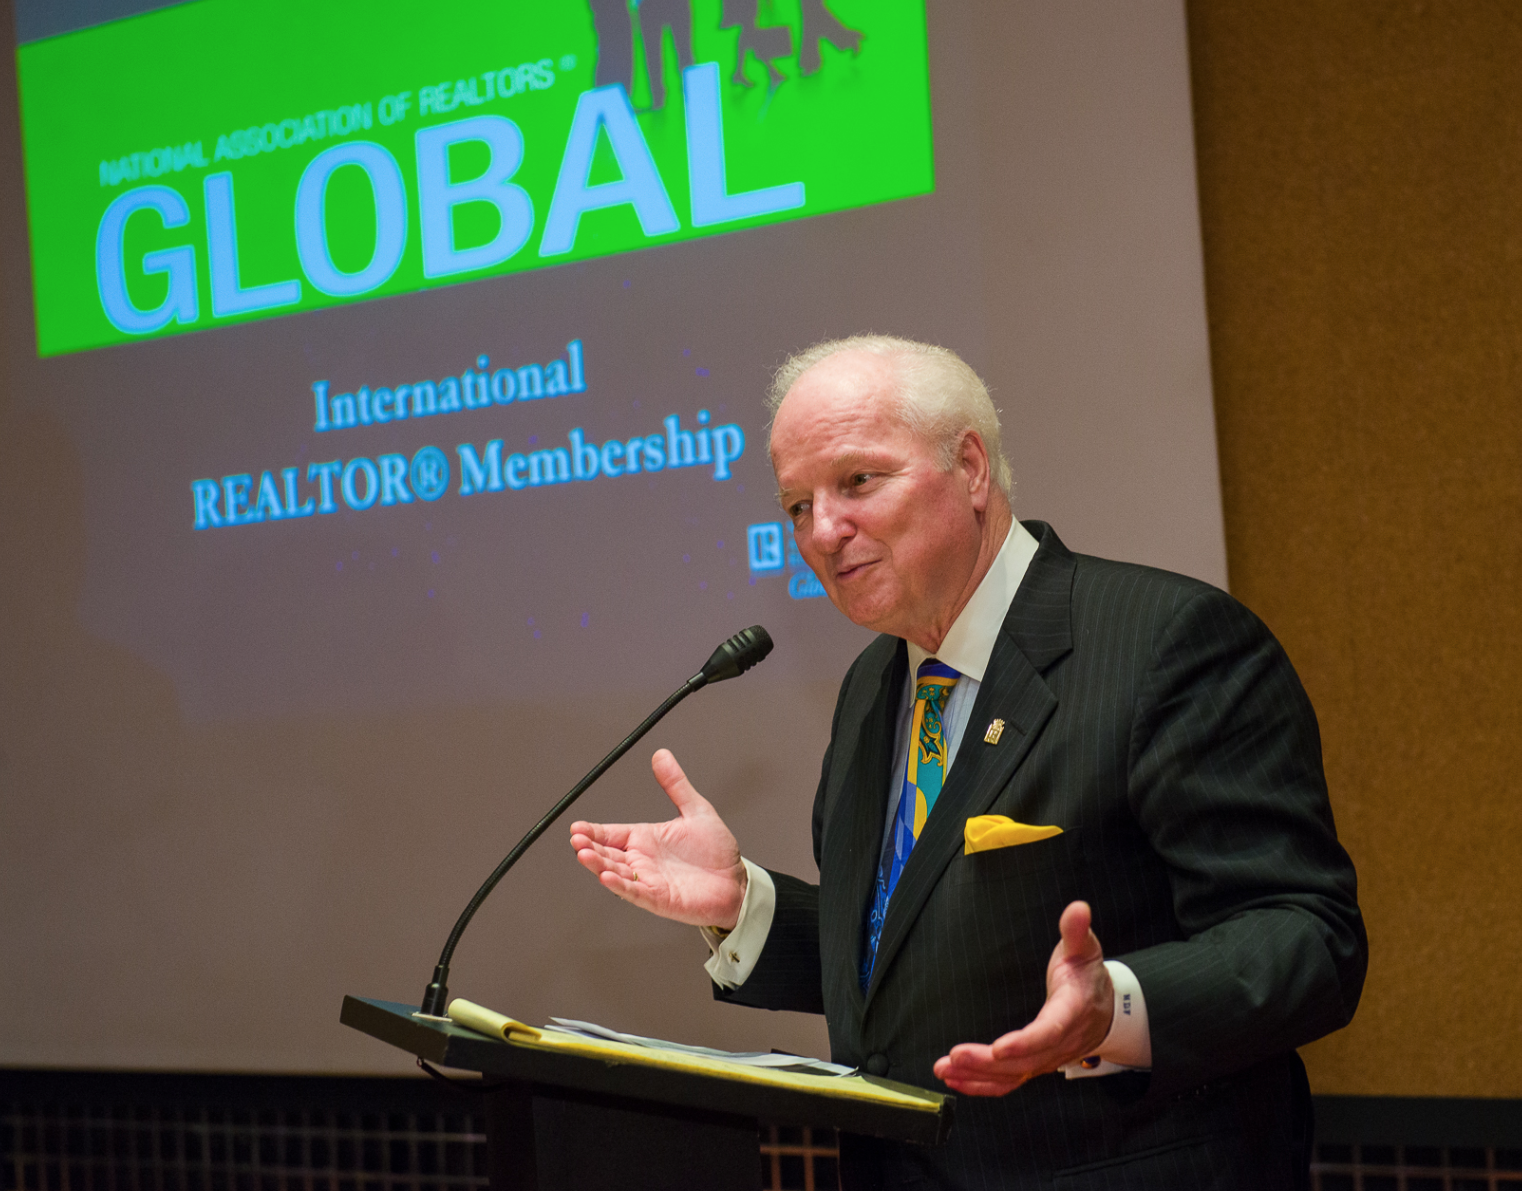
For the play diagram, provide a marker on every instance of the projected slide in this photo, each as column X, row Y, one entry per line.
column 370, row 155
column 383, row 436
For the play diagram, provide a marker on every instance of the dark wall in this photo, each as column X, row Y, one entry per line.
column 1360, row 172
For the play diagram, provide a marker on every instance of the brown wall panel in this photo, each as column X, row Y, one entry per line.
column 1360, row 174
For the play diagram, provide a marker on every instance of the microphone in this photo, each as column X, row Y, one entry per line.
column 737, row 655
column 730, row 660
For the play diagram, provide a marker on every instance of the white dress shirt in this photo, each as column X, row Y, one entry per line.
column 967, row 647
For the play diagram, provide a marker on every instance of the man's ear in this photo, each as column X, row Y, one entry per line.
column 976, row 466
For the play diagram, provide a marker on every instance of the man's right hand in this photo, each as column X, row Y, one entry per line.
column 687, row 869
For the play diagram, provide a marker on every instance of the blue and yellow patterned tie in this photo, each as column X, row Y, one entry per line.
column 922, row 786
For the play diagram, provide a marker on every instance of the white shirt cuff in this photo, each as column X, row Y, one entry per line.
column 735, row 954
column 1128, row 1045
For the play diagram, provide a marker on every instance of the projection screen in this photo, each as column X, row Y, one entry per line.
column 383, row 437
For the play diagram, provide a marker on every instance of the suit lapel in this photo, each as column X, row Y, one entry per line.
column 1037, row 631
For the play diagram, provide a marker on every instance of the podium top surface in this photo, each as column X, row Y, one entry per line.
column 920, row 1116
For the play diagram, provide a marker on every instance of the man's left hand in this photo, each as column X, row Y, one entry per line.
column 1080, row 1003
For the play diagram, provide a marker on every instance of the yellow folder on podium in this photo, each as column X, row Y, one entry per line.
column 854, row 1087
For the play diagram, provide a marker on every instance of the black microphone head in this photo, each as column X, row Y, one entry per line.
column 738, row 654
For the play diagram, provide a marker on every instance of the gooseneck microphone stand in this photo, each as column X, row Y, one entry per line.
column 730, row 660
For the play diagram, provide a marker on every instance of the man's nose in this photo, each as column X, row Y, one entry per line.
column 831, row 527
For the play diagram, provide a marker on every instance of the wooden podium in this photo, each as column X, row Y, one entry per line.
column 558, row 1121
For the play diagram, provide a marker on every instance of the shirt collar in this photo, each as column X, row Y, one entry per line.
column 969, row 643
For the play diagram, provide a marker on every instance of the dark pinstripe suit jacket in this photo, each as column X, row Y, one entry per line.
column 1160, row 725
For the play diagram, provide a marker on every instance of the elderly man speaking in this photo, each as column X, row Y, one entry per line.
column 1044, row 759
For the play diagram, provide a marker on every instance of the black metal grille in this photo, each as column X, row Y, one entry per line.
column 799, row 1159
column 1416, row 1168
column 63, row 1131
column 105, row 1132
column 78, row 1147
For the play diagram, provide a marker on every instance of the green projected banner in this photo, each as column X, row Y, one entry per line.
column 226, row 160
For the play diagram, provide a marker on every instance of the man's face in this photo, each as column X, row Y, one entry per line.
column 893, row 538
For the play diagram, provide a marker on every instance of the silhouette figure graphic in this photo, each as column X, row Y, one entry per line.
column 765, row 42
column 655, row 17
column 615, row 21
column 819, row 23
column 614, row 27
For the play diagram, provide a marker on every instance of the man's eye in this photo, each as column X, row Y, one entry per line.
column 861, row 478
column 798, row 509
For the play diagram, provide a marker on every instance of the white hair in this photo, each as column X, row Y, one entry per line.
column 936, row 395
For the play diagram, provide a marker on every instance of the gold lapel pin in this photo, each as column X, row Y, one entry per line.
column 995, row 730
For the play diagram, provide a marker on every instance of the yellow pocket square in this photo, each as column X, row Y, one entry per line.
column 984, row 833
